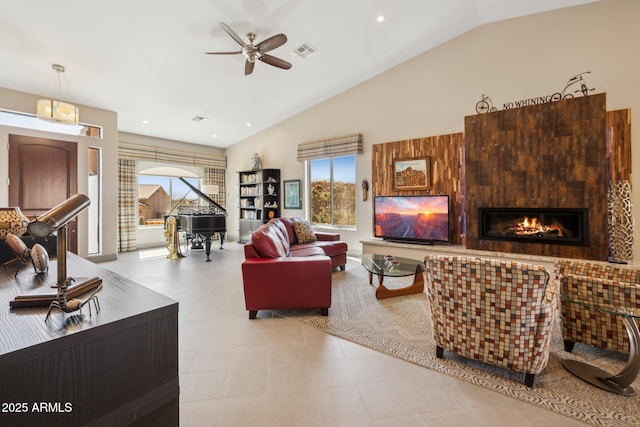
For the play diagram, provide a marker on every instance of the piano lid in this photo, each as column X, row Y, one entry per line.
column 202, row 195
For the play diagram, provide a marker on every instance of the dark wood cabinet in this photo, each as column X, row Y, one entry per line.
column 260, row 200
column 114, row 368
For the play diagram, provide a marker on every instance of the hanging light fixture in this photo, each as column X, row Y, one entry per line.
column 55, row 110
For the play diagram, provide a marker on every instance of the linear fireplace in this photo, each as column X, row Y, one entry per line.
column 547, row 225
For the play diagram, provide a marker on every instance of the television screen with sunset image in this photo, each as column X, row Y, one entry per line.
column 421, row 219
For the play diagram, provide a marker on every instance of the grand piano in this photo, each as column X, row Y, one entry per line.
column 201, row 222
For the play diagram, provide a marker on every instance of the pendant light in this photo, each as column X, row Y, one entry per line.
column 54, row 110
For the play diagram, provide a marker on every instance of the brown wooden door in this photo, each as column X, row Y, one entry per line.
column 43, row 173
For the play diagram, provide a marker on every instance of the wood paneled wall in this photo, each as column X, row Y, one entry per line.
column 619, row 144
column 446, row 156
column 560, row 154
column 540, row 156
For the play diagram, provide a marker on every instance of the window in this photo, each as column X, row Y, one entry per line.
column 28, row 121
column 333, row 190
column 158, row 195
column 94, row 157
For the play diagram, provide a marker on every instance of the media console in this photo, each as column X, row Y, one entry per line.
column 118, row 367
column 418, row 251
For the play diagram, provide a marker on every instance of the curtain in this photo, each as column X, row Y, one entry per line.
column 127, row 210
column 169, row 155
column 216, row 177
column 330, row 148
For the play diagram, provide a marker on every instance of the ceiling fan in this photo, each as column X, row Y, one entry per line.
column 256, row 52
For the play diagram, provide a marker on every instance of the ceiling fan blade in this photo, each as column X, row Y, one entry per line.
column 272, row 42
column 248, row 67
column 232, row 33
column 223, row 53
column 276, row 62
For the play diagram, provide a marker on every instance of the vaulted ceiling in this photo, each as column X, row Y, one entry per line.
column 145, row 59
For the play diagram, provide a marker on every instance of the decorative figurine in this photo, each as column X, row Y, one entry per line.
column 575, row 81
column 39, row 258
column 485, row 105
column 12, row 221
column 365, row 190
column 256, row 163
column 75, row 304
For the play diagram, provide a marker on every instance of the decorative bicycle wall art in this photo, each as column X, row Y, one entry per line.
column 575, row 85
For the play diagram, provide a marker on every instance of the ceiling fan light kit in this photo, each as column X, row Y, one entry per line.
column 256, row 52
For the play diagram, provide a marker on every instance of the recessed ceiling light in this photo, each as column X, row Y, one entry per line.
column 214, row 135
column 380, row 18
column 248, row 125
column 145, row 122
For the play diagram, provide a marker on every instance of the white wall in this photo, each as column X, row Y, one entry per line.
column 430, row 94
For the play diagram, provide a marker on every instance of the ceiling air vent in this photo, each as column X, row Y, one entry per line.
column 199, row 119
column 303, row 51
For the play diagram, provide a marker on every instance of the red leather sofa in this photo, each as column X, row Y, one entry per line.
column 279, row 272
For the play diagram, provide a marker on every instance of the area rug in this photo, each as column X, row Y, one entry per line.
column 401, row 327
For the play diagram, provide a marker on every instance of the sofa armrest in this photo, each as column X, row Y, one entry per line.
column 324, row 236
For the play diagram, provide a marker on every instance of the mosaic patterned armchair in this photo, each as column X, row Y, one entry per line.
column 603, row 284
column 499, row 312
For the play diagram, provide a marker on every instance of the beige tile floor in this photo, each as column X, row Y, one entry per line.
column 277, row 372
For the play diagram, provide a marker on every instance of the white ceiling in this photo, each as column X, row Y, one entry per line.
column 145, row 59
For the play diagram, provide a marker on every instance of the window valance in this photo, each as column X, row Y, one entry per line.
column 330, row 148
column 168, row 155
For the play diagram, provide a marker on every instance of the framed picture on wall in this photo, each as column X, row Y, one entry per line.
column 292, row 198
column 411, row 174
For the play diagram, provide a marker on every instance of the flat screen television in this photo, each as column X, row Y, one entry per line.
column 420, row 219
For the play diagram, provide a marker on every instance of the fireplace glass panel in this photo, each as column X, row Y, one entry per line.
column 560, row 226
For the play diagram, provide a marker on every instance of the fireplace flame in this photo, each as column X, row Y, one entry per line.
column 529, row 226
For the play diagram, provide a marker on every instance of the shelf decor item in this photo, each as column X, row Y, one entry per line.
column 39, row 258
column 12, row 221
column 256, row 163
column 56, row 220
column 620, row 221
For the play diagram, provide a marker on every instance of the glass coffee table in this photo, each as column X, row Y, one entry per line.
column 619, row 383
column 392, row 266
